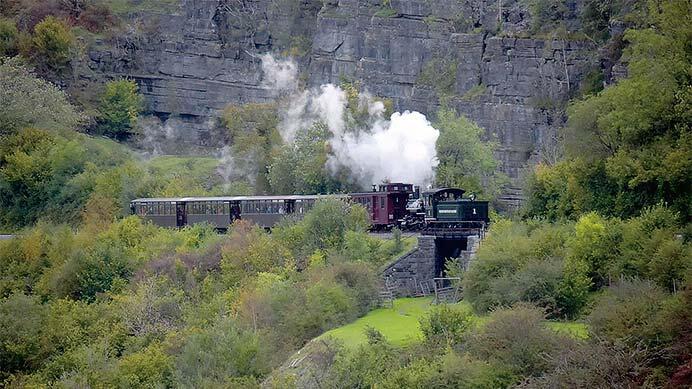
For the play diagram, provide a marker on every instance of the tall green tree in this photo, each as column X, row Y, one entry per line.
column 252, row 130
column 28, row 101
column 121, row 103
column 8, row 37
column 630, row 146
column 300, row 167
column 465, row 159
column 51, row 43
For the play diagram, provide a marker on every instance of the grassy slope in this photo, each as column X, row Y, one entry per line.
column 122, row 7
column 195, row 166
column 400, row 324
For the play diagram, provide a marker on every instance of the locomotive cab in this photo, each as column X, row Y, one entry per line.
column 448, row 206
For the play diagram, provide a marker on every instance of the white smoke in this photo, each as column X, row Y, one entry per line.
column 160, row 138
column 226, row 168
column 399, row 149
column 233, row 168
column 279, row 75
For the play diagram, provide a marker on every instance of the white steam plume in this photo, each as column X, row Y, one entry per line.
column 279, row 75
column 400, row 149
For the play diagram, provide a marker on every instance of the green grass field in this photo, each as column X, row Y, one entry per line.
column 122, row 7
column 400, row 326
column 195, row 166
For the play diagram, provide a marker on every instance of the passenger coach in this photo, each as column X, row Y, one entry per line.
column 220, row 212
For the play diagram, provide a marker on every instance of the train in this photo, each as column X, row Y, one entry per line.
column 389, row 205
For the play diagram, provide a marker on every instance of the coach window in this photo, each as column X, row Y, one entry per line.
column 381, row 202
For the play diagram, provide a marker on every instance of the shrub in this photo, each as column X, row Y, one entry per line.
column 516, row 338
column 595, row 244
column 327, row 223
column 445, row 325
column 249, row 250
column 154, row 307
column 328, row 305
column 90, row 271
column 213, row 356
column 464, row 371
column 29, row 101
column 421, row 373
column 538, row 283
column 591, row 365
column 52, row 41
column 627, row 311
column 21, row 328
column 151, row 367
column 120, row 105
column 546, row 14
column 360, row 282
column 96, row 18
column 9, row 37
column 365, row 367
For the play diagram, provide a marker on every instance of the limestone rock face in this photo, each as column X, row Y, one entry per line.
column 193, row 62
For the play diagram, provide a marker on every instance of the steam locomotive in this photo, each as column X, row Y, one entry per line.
column 389, row 205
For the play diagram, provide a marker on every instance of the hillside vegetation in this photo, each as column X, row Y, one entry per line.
column 589, row 285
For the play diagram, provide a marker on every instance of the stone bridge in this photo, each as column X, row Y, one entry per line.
column 427, row 261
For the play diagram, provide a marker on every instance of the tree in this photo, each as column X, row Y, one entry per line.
column 8, row 38
column 28, row 101
column 634, row 137
column 444, row 326
column 52, row 41
column 465, row 161
column 252, row 129
column 21, row 319
column 300, row 166
column 120, row 105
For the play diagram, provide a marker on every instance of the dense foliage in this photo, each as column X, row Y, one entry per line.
column 127, row 303
column 90, row 297
column 120, row 106
column 629, row 146
column 465, row 160
column 556, row 266
column 28, row 101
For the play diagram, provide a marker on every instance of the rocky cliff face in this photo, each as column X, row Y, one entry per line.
column 193, row 62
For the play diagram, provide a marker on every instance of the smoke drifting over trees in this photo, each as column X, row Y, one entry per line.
column 362, row 141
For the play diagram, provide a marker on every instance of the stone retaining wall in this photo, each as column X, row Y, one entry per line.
column 418, row 265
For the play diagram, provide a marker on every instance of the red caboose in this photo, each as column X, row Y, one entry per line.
column 386, row 204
